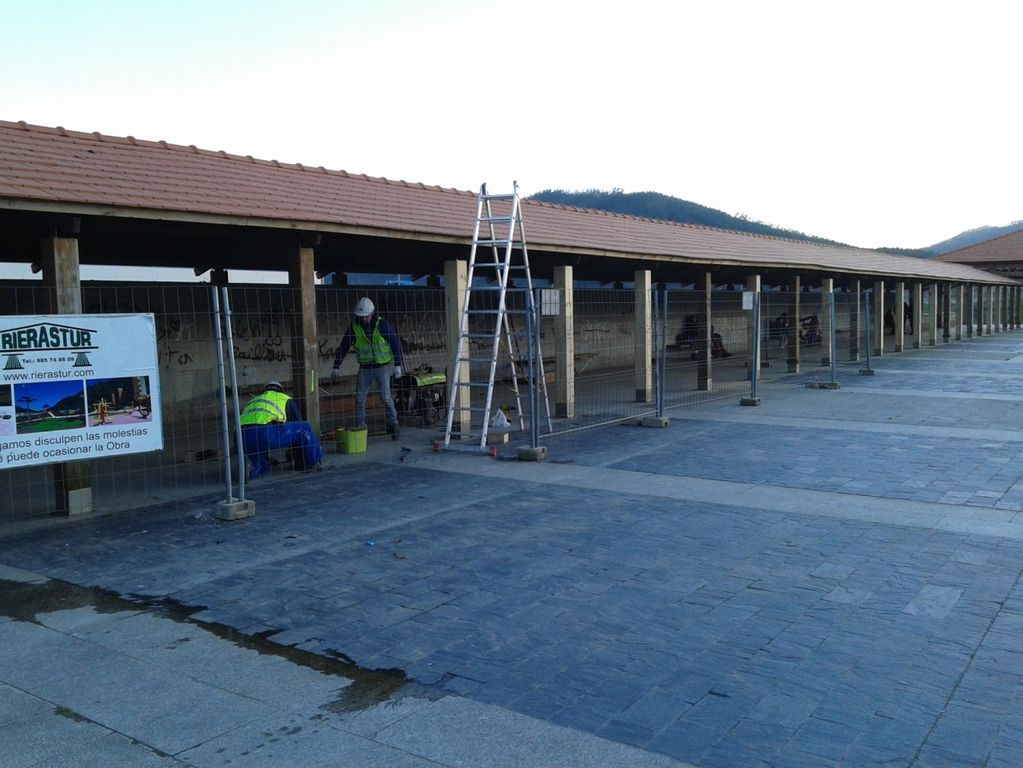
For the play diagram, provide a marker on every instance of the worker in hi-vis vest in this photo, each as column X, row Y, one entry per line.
column 379, row 351
column 270, row 420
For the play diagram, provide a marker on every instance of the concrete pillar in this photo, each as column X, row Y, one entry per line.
column 855, row 321
column 644, row 330
column 932, row 314
column 753, row 286
column 960, row 290
column 1003, row 292
column 455, row 278
column 827, row 300
column 305, row 343
column 917, row 308
column 946, row 312
column 878, row 318
column 705, row 368
column 564, row 345
column 72, row 482
column 899, row 314
column 794, row 313
column 981, row 309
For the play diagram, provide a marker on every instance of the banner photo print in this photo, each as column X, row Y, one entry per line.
column 77, row 387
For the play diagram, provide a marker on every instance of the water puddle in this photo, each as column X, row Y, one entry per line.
column 23, row 601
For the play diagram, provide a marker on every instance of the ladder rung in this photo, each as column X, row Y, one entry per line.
column 472, row 408
column 505, row 219
column 503, row 241
column 502, row 196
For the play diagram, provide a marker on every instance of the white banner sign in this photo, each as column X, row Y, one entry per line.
column 77, row 387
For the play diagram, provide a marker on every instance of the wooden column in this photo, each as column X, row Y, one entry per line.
column 960, row 290
column 305, row 361
column 564, row 345
column 827, row 300
column 855, row 321
column 917, row 308
column 644, row 330
column 72, row 482
column 899, row 315
column 705, row 364
column 932, row 314
column 968, row 310
column 946, row 312
column 455, row 278
column 793, row 337
column 878, row 318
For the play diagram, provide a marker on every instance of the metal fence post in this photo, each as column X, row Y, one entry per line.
column 226, row 442
column 234, row 397
column 661, row 345
column 533, row 335
column 831, row 332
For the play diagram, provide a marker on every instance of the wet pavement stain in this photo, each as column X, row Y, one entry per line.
column 23, row 601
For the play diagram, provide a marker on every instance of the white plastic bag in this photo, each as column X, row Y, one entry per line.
column 499, row 421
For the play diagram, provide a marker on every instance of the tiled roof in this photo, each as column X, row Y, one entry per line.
column 55, row 169
column 999, row 249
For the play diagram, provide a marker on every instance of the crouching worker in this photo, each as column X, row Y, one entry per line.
column 271, row 420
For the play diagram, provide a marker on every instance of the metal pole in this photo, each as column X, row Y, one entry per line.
column 234, row 398
column 831, row 329
column 755, row 346
column 660, row 310
column 215, row 300
column 866, row 323
column 532, row 334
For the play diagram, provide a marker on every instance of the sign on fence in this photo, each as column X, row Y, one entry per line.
column 77, row 387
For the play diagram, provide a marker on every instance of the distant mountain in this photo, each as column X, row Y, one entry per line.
column 971, row 236
column 654, row 205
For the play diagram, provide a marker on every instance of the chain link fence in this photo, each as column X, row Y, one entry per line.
column 628, row 355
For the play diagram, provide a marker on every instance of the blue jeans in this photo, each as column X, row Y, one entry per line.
column 381, row 376
column 297, row 435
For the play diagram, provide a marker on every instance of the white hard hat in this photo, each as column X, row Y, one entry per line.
column 364, row 307
column 274, row 386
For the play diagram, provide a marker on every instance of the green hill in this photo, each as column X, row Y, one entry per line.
column 654, row 205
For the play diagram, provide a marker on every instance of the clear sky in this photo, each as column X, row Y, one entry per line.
column 876, row 123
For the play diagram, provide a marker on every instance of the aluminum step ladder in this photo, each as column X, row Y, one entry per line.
column 498, row 256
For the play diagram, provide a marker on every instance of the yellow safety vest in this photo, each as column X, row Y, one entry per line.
column 376, row 351
column 265, row 408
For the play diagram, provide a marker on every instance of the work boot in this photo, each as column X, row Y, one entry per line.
column 392, row 430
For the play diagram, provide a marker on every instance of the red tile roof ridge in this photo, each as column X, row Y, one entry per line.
column 979, row 246
column 193, row 149
column 687, row 225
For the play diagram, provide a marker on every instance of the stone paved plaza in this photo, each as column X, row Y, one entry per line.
column 832, row 578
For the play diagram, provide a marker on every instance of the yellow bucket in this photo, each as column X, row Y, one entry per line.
column 350, row 440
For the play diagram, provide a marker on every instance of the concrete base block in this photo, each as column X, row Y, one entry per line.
column 497, row 437
column 654, row 421
column 79, row 502
column 532, row 454
column 235, row 510
column 749, row 401
column 866, row 371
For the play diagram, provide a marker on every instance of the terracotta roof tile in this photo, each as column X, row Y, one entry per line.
column 53, row 165
column 999, row 249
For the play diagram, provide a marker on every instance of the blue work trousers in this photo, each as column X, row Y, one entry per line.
column 297, row 435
